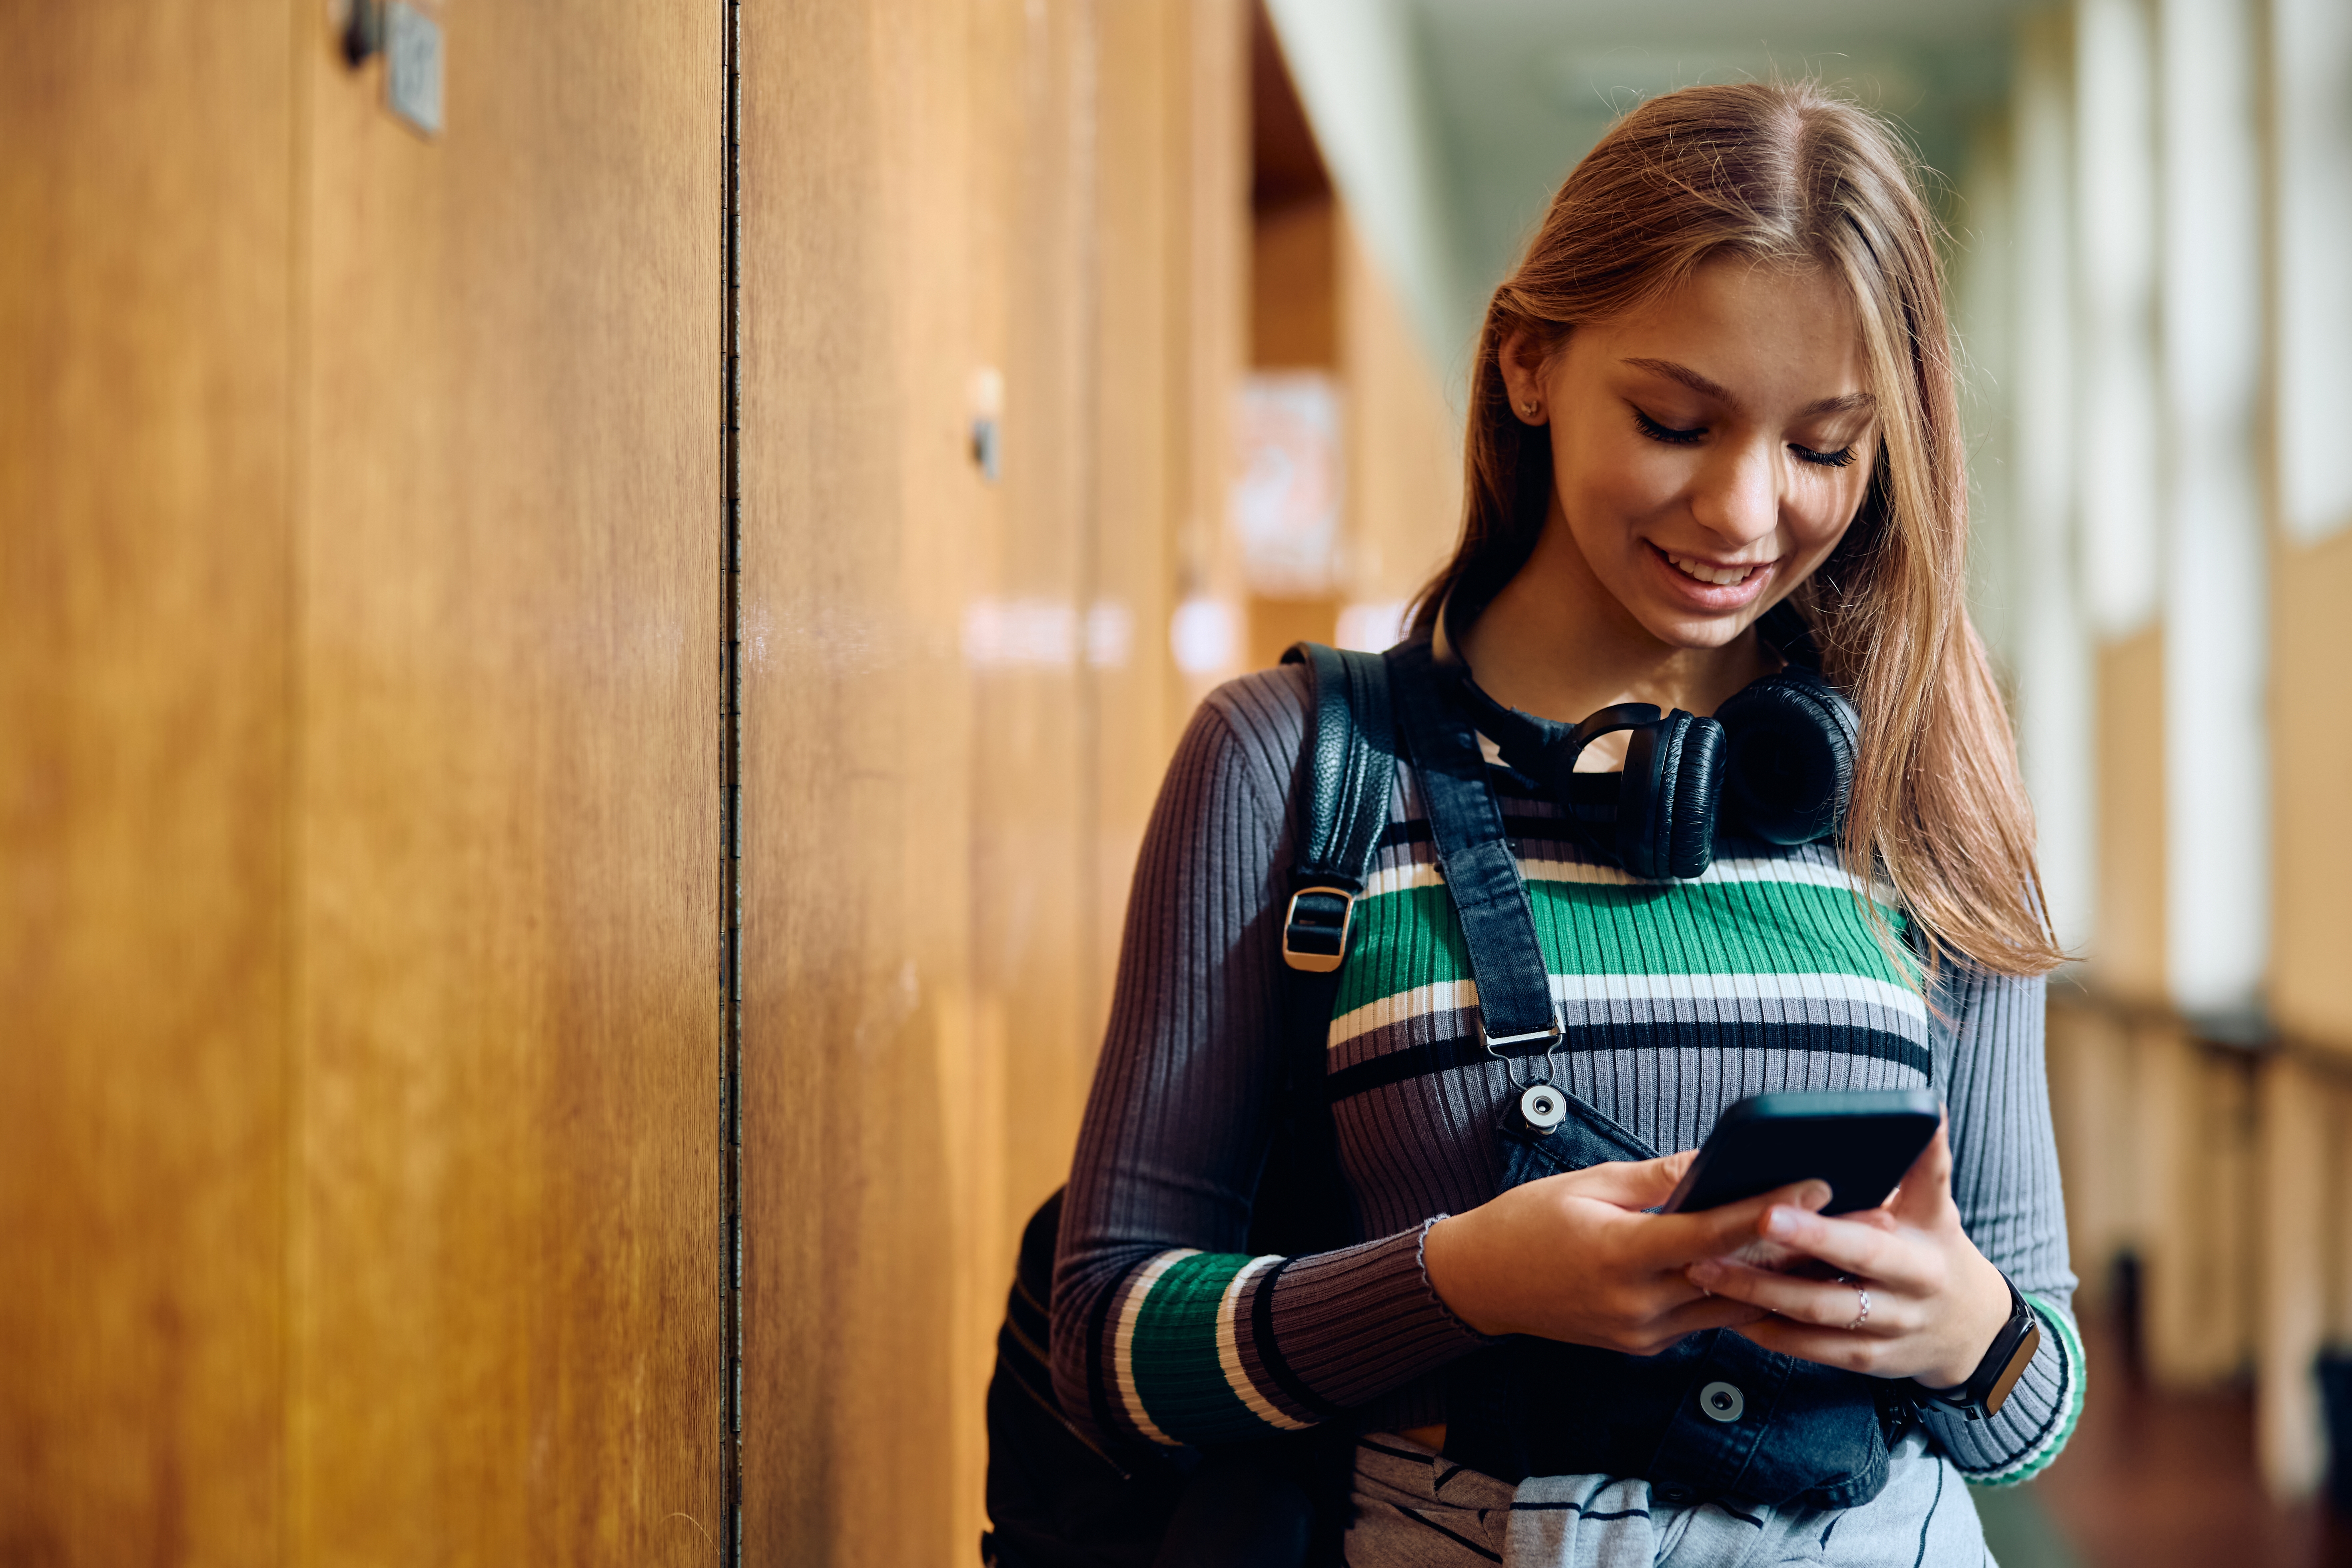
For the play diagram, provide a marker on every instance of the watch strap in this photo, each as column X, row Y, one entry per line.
column 2012, row 1350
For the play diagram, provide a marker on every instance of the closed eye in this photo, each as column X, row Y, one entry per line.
column 1837, row 459
column 1667, row 433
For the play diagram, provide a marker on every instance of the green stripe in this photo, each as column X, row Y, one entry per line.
column 2070, row 1344
column 1177, row 1373
column 1411, row 937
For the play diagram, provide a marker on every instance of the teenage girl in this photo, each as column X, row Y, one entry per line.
column 1720, row 385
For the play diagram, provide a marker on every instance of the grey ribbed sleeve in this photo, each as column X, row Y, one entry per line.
column 1186, row 1093
column 1149, row 1341
column 1987, row 1045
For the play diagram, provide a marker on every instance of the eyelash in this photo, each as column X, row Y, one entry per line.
column 1674, row 437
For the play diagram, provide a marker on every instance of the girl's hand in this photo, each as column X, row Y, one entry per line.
column 1936, row 1304
column 1573, row 1258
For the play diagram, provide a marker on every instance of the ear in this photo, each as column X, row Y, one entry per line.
column 1521, row 360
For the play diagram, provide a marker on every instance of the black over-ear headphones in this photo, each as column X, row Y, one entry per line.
column 1776, row 761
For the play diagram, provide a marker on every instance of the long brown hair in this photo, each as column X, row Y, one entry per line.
column 1787, row 174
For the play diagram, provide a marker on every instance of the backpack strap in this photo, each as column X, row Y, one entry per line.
column 1352, row 757
column 1349, row 762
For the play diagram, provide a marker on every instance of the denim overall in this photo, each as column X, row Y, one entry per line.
column 1714, row 1416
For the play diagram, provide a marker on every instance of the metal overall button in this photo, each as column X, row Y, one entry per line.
column 1544, row 1107
column 1722, row 1402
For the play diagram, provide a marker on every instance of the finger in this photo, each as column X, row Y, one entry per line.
column 1896, row 1256
column 1823, row 1303
column 1711, row 1232
column 1628, row 1183
column 1709, row 1312
column 1829, row 1347
column 1927, row 1187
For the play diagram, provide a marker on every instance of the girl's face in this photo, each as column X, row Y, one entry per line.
column 1709, row 451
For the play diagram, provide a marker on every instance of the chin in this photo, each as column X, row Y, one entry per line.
column 1699, row 634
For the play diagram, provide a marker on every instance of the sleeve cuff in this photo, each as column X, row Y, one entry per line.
column 2033, row 1425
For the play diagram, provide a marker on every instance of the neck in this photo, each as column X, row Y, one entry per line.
column 1557, row 644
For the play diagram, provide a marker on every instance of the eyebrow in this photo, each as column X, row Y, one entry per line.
column 1844, row 402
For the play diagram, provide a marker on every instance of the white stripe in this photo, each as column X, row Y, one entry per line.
column 1829, row 987
column 1460, row 995
column 1397, row 878
column 1229, row 1349
column 1123, row 1347
column 1445, row 996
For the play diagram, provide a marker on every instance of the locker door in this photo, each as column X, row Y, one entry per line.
column 505, row 1266
column 145, row 364
column 957, row 695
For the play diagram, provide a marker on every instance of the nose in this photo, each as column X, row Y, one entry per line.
column 1737, row 496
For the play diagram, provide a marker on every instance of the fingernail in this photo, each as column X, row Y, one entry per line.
column 1780, row 1221
column 1704, row 1273
column 1813, row 1194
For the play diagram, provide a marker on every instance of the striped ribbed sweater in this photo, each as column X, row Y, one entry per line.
column 1678, row 1000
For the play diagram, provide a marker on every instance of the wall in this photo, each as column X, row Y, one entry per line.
column 2311, row 761
column 1404, row 438
column 367, row 615
column 146, row 645
column 359, row 1146
column 506, row 1263
column 957, row 695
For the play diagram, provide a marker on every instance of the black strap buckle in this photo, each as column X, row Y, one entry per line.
column 1315, row 931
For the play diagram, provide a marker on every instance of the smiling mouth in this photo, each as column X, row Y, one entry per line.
column 1713, row 573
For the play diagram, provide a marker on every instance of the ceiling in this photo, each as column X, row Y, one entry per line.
column 1448, row 123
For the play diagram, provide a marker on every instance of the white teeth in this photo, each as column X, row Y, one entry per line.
column 1721, row 576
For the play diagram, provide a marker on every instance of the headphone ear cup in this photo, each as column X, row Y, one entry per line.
column 1641, row 792
column 1698, row 774
column 1791, row 742
column 1667, row 804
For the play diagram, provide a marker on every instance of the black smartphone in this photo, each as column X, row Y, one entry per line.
column 1858, row 1141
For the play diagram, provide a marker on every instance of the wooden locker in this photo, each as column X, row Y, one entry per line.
column 146, row 363
column 507, row 1268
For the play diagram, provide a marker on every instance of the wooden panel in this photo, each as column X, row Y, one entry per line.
column 1275, row 624
column 958, row 693
column 144, row 364
column 1294, row 280
column 2296, row 1199
column 2094, row 1105
column 507, row 1266
column 2311, row 761
column 2128, row 956
column 2197, row 1155
column 1405, row 441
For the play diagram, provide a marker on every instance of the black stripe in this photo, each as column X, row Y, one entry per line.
column 1580, row 1508
column 1396, row 1067
column 1419, row 1517
column 1395, row 1453
column 1926, row 1523
column 1269, row 1354
column 1466, row 1051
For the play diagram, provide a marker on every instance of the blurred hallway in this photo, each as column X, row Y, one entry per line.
column 2167, row 1481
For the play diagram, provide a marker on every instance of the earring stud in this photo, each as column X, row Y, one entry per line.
column 1529, row 409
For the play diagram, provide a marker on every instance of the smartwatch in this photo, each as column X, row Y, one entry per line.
column 2012, row 1350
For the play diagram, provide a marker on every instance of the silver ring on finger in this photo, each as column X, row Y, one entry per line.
column 1862, row 1300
